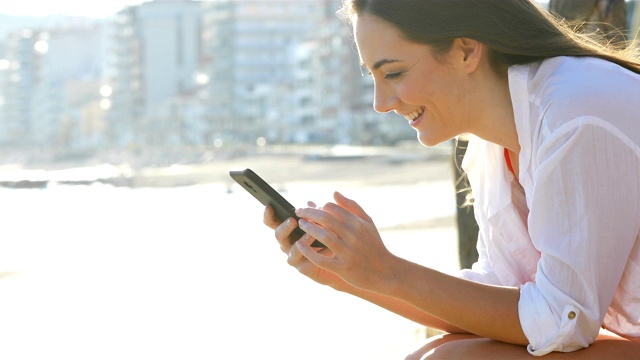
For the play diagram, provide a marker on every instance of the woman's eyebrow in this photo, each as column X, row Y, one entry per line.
column 379, row 63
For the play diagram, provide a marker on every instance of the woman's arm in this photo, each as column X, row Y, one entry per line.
column 406, row 310
column 360, row 258
column 304, row 266
column 485, row 310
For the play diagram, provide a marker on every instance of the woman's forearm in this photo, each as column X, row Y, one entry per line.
column 403, row 309
column 484, row 310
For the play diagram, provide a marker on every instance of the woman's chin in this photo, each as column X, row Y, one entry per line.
column 430, row 141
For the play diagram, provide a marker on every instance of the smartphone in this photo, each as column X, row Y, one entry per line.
column 267, row 195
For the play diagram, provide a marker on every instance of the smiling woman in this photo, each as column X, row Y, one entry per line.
column 555, row 181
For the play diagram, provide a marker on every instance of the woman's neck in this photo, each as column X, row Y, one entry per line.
column 496, row 120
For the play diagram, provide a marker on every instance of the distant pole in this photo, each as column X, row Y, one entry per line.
column 467, row 226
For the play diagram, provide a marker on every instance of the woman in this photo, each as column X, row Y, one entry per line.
column 554, row 164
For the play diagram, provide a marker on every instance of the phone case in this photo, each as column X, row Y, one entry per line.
column 267, row 195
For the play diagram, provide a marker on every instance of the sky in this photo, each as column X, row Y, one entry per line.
column 88, row 8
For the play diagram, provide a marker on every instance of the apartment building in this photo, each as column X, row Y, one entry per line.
column 153, row 72
column 251, row 46
column 39, row 75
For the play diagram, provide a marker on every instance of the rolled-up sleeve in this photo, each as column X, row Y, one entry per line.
column 549, row 327
column 584, row 219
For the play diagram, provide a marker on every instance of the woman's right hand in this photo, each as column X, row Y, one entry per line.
column 322, row 276
column 295, row 258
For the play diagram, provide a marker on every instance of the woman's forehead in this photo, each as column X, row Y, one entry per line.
column 374, row 37
column 380, row 42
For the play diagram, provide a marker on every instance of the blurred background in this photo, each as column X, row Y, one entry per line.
column 169, row 81
column 122, row 235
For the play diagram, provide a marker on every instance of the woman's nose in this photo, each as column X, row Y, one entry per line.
column 384, row 100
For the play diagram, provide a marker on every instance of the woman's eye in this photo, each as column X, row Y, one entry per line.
column 393, row 76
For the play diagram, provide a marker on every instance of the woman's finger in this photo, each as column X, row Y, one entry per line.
column 269, row 218
column 313, row 256
column 346, row 211
column 320, row 216
column 294, row 257
column 351, row 206
column 283, row 233
column 323, row 233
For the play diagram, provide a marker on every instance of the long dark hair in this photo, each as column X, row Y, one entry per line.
column 515, row 31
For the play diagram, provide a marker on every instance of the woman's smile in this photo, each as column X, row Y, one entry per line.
column 415, row 117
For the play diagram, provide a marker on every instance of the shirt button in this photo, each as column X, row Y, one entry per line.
column 572, row 315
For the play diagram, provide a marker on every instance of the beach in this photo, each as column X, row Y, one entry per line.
column 189, row 272
column 278, row 164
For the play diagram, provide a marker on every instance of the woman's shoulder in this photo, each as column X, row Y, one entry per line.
column 573, row 77
column 562, row 89
column 559, row 96
column 579, row 78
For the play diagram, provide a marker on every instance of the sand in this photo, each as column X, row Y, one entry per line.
column 141, row 258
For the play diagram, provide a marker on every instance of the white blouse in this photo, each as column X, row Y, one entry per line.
column 567, row 231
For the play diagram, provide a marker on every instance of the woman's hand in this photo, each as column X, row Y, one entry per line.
column 295, row 258
column 355, row 253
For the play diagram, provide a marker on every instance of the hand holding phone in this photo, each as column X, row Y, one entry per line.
column 267, row 195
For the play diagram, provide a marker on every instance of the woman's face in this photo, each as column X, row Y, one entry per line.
column 411, row 81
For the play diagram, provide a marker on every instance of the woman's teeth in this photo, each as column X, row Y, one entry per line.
column 414, row 115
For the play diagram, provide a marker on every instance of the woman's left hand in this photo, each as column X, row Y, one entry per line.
column 358, row 254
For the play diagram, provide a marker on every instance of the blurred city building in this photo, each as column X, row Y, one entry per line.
column 247, row 51
column 182, row 73
column 154, row 62
column 49, row 81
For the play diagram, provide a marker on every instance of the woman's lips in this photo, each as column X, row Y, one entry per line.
column 415, row 117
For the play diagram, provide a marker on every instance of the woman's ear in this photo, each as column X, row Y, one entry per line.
column 467, row 53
